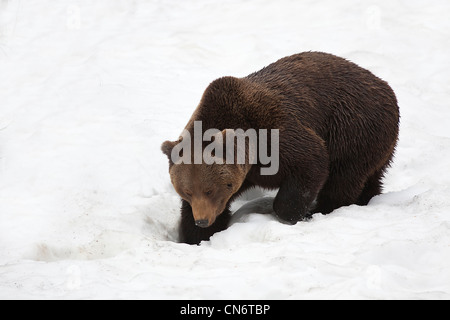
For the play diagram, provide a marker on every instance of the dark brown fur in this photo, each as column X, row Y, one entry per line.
column 338, row 130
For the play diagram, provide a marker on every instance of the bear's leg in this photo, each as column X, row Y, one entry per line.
column 191, row 234
column 374, row 185
column 294, row 199
column 304, row 168
column 372, row 188
column 339, row 190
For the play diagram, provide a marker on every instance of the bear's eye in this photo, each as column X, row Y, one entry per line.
column 229, row 185
column 208, row 193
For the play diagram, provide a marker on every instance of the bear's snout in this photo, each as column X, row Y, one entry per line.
column 204, row 211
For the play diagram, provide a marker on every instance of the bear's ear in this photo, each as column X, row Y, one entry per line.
column 244, row 152
column 167, row 147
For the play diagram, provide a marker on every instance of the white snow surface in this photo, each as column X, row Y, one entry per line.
column 90, row 89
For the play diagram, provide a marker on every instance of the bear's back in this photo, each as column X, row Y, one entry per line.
column 325, row 81
column 336, row 98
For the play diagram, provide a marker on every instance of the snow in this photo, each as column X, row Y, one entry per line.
column 89, row 91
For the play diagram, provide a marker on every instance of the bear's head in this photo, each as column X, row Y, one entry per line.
column 206, row 187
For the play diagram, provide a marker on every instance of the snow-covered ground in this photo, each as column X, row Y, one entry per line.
column 90, row 89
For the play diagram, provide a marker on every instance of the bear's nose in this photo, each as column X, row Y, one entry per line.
column 202, row 223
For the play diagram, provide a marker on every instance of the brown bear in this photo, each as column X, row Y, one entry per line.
column 338, row 128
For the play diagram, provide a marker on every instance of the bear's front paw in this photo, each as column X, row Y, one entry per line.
column 293, row 219
column 191, row 234
column 288, row 218
column 290, row 213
